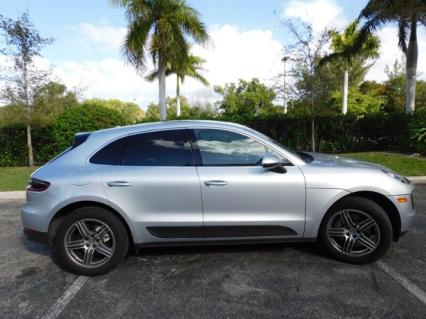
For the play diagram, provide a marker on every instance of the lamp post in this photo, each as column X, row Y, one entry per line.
column 284, row 60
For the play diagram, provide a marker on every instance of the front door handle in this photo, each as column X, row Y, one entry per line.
column 118, row 184
column 215, row 183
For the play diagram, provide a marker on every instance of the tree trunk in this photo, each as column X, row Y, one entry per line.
column 177, row 95
column 411, row 69
column 313, row 134
column 345, row 92
column 162, row 89
column 312, row 122
column 30, row 146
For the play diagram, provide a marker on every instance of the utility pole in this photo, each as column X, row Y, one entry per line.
column 284, row 60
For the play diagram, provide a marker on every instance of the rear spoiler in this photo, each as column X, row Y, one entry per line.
column 79, row 139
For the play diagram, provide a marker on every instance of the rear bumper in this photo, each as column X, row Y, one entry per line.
column 37, row 236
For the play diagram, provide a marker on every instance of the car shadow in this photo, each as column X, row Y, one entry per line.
column 305, row 248
column 34, row 247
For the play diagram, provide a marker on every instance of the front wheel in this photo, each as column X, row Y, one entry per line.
column 90, row 241
column 356, row 230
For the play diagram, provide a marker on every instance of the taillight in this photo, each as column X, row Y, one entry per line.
column 37, row 185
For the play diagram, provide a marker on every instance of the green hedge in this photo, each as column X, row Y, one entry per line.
column 338, row 133
column 334, row 134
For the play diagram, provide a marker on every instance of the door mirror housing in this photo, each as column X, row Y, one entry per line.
column 273, row 163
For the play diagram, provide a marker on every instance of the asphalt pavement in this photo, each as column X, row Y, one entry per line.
column 264, row 281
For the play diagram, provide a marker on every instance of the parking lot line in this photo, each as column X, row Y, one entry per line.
column 60, row 304
column 415, row 290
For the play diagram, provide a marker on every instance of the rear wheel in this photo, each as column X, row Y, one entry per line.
column 90, row 241
column 356, row 230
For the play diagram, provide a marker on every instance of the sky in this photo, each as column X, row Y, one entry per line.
column 247, row 40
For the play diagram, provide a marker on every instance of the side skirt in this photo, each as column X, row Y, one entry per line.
column 225, row 242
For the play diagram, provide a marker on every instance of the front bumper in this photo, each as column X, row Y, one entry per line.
column 406, row 211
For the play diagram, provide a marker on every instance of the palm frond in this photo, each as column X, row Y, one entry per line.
column 331, row 57
column 189, row 20
column 200, row 78
column 403, row 29
column 152, row 76
column 135, row 43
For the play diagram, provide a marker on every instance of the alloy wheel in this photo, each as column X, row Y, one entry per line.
column 89, row 243
column 353, row 232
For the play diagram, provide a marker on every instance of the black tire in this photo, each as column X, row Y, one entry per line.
column 90, row 213
column 368, row 208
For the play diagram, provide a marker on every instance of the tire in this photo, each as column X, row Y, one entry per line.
column 351, row 239
column 97, row 241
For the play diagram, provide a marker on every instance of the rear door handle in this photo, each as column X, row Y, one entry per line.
column 215, row 183
column 118, row 184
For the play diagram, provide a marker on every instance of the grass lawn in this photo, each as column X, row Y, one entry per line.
column 14, row 178
column 400, row 163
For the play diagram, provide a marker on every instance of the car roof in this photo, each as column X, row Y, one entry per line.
column 119, row 130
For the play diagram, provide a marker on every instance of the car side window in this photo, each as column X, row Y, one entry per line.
column 162, row 148
column 225, row 148
column 112, row 154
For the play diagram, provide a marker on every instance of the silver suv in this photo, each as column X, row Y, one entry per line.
column 204, row 182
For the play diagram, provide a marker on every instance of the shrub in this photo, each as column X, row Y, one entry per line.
column 83, row 118
column 418, row 131
column 333, row 133
column 13, row 145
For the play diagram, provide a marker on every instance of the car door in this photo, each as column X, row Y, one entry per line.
column 156, row 185
column 241, row 199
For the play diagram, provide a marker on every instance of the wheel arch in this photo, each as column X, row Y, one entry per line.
column 384, row 202
column 67, row 209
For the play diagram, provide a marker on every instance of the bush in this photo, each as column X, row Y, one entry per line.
column 84, row 118
column 333, row 133
column 336, row 133
column 418, row 131
column 13, row 145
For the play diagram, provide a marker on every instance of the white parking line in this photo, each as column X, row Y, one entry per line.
column 64, row 300
column 416, row 291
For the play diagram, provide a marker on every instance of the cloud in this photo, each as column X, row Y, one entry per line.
column 103, row 37
column 319, row 13
column 106, row 78
column 328, row 13
column 232, row 54
column 389, row 52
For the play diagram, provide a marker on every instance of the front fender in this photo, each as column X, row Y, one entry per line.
column 318, row 202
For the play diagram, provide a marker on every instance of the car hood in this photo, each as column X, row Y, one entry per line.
column 339, row 161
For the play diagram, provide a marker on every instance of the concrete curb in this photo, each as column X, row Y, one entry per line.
column 12, row 195
column 417, row 179
column 21, row 194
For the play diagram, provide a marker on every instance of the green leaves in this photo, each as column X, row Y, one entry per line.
column 344, row 46
column 246, row 98
column 160, row 28
column 84, row 118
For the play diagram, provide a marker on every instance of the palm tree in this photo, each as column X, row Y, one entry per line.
column 408, row 14
column 191, row 66
column 343, row 47
column 159, row 28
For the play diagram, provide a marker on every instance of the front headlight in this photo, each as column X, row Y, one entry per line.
column 402, row 179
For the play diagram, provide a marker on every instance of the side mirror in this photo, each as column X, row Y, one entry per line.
column 273, row 163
